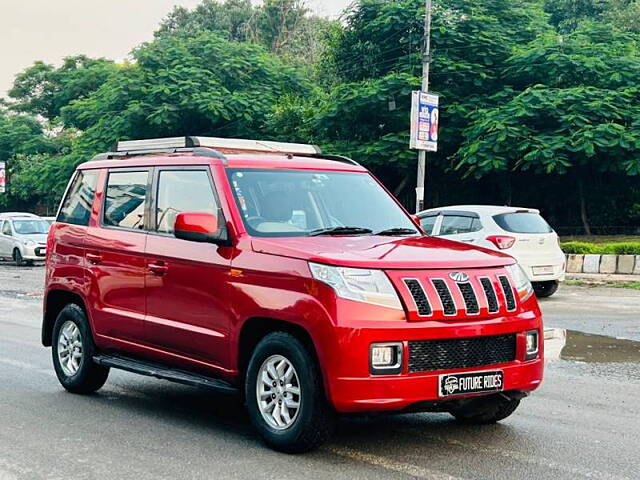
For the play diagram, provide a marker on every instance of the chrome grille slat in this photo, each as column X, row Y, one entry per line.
column 508, row 292
column 448, row 305
column 490, row 294
column 470, row 299
column 419, row 296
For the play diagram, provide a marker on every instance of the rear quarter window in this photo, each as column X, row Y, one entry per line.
column 522, row 222
column 76, row 206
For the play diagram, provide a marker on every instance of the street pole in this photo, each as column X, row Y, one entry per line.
column 426, row 59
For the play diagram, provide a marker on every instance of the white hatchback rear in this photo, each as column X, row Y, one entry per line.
column 520, row 232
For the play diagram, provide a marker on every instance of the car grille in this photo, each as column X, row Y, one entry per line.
column 445, row 354
column 436, row 294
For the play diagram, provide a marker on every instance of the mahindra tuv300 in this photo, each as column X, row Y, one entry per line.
column 288, row 276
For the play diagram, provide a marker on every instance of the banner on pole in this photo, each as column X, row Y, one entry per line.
column 424, row 121
column 3, row 177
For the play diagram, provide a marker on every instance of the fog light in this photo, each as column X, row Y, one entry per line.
column 386, row 358
column 532, row 345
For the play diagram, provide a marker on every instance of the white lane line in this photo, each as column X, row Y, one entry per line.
column 414, row 471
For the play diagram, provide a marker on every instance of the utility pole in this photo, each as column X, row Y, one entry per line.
column 426, row 59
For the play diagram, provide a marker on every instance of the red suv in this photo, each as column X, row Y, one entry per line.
column 288, row 276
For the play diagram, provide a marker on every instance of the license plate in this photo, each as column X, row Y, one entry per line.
column 547, row 270
column 473, row 382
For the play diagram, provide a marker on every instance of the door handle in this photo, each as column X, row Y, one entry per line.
column 159, row 268
column 94, row 258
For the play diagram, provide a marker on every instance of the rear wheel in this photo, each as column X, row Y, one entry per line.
column 73, row 350
column 545, row 289
column 486, row 410
column 285, row 397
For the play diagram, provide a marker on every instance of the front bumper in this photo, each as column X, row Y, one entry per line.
column 36, row 252
column 352, row 388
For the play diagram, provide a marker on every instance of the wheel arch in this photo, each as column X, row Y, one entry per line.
column 256, row 328
column 55, row 301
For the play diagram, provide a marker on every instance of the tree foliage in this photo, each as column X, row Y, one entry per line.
column 539, row 99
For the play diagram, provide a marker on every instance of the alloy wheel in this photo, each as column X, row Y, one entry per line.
column 279, row 392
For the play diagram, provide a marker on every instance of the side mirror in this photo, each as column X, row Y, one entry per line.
column 200, row 227
column 416, row 221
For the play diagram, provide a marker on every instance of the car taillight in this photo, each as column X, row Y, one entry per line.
column 502, row 241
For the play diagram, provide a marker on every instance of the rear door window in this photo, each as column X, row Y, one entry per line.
column 455, row 224
column 76, row 207
column 126, row 199
column 183, row 191
column 522, row 222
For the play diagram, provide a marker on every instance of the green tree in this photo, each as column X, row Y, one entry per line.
column 202, row 84
column 574, row 109
column 44, row 90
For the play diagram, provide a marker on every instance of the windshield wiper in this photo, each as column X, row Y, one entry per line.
column 342, row 230
column 397, row 231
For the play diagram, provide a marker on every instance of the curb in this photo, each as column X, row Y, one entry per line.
column 604, row 264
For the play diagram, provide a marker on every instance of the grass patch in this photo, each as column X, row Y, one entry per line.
column 604, row 283
column 615, row 248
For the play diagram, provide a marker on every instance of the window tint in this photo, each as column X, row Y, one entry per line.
column 454, row 224
column 6, row 227
column 183, row 191
column 428, row 223
column 76, row 207
column 125, row 200
column 522, row 222
column 295, row 203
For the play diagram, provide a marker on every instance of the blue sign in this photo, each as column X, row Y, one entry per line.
column 424, row 121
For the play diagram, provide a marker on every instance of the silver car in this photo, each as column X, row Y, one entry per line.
column 23, row 238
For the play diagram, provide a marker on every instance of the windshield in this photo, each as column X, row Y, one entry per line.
column 522, row 222
column 30, row 227
column 294, row 203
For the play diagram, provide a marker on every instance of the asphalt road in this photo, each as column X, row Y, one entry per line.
column 584, row 422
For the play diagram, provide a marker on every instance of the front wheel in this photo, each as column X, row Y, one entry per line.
column 545, row 289
column 486, row 410
column 73, row 350
column 285, row 396
column 17, row 258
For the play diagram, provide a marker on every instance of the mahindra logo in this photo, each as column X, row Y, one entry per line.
column 459, row 277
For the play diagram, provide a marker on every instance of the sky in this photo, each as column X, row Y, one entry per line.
column 49, row 30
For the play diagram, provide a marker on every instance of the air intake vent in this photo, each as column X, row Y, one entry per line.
column 470, row 300
column 450, row 353
column 419, row 297
column 492, row 299
column 508, row 292
column 448, row 305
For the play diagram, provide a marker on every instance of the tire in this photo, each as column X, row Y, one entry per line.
column 17, row 258
column 545, row 289
column 314, row 420
column 486, row 410
column 83, row 376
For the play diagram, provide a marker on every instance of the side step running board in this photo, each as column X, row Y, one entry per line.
column 165, row 373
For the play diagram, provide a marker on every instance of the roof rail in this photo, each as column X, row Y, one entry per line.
column 336, row 158
column 224, row 145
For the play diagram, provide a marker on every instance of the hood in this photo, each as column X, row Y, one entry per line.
column 383, row 252
column 36, row 237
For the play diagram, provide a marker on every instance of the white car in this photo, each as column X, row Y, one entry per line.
column 23, row 237
column 519, row 232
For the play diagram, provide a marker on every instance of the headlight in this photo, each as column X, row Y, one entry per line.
column 29, row 243
column 521, row 281
column 361, row 285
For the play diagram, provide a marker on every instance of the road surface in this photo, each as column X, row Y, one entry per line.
column 584, row 422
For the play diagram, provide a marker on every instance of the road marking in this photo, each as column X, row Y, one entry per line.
column 389, row 464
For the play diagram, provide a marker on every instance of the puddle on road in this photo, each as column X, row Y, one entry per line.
column 562, row 344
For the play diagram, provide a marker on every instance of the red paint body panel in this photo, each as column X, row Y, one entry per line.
column 185, row 303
